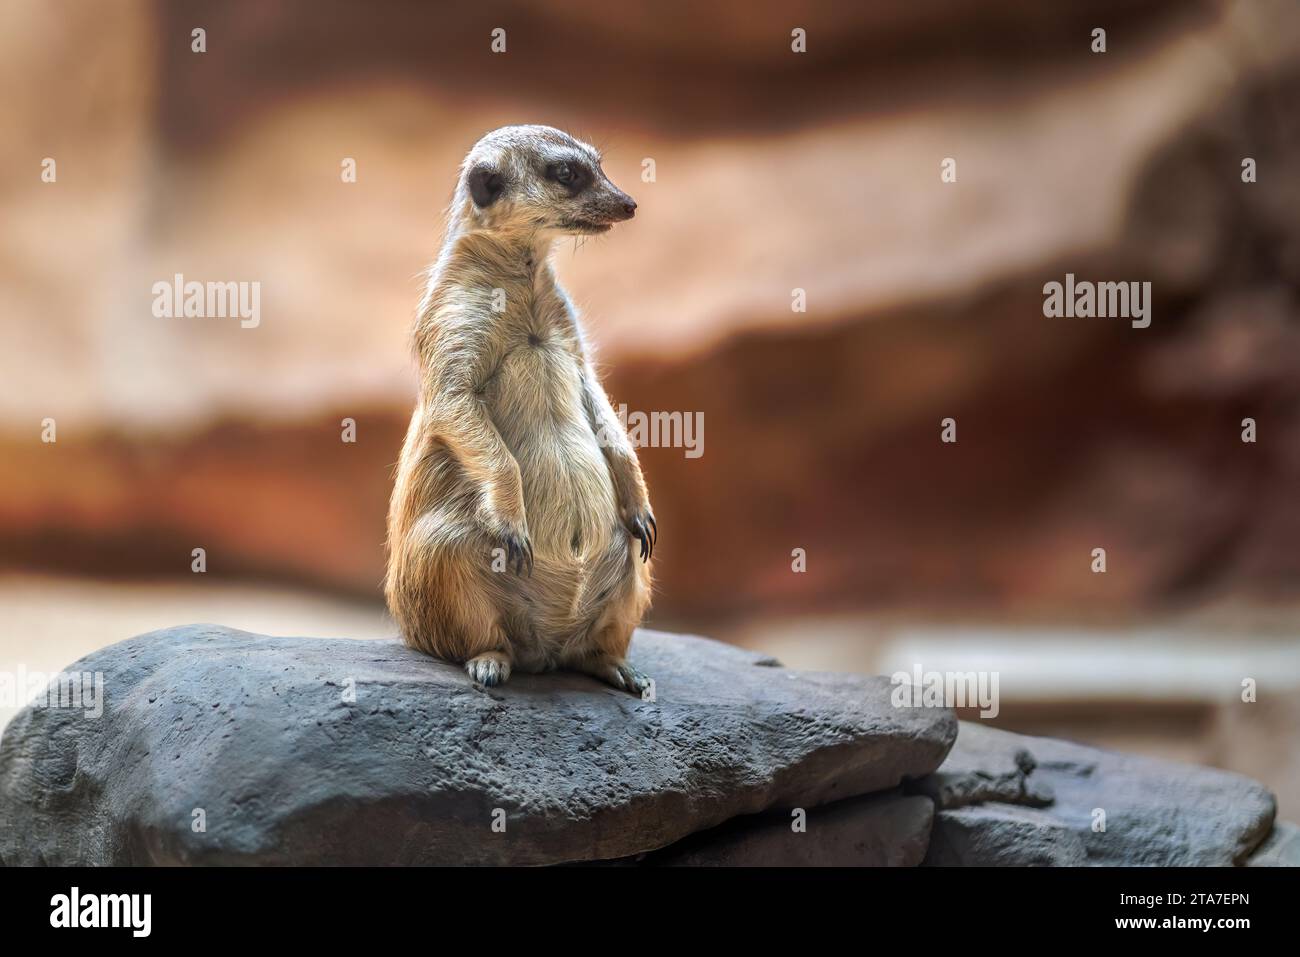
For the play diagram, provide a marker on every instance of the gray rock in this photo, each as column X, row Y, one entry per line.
column 1156, row 812
column 992, row 835
column 974, row 774
column 255, row 736
column 1280, row 849
column 882, row 830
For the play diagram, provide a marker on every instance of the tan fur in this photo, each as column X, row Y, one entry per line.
column 513, row 451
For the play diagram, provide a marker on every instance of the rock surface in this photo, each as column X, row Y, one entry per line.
column 884, row 830
column 1004, row 835
column 1156, row 812
column 984, row 770
column 256, row 739
column 1280, row 849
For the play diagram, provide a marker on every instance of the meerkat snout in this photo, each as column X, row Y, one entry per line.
column 534, row 178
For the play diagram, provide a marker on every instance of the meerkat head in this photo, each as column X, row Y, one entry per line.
column 535, row 179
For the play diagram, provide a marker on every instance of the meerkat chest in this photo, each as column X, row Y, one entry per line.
column 540, row 373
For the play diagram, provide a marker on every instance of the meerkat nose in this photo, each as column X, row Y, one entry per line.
column 629, row 207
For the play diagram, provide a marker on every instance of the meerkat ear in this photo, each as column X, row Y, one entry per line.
column 485, row 185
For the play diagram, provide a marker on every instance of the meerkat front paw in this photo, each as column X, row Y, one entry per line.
column 512, row 536
column 641, row 523
column 519, row 551
column 489, row 669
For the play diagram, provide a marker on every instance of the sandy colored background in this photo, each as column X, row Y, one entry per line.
column 774, row 171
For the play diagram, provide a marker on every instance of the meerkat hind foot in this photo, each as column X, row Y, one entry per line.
column 617, row 672
column 633, row 679
column 489, row 669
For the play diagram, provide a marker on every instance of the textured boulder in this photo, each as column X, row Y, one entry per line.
column 1280, row 849
column 223, row 747
column 882, row 830
column 985, row 769
column 1155, row 812
column 1004, row 835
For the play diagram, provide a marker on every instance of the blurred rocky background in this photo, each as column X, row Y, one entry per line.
column 773, row 171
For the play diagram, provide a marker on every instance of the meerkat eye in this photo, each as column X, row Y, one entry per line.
column 564, row 174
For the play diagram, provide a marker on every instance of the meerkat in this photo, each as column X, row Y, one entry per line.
column 520, row 531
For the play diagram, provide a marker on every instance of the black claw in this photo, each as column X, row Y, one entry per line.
column 519, row 554
column 639, row 531
column 646, row 530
